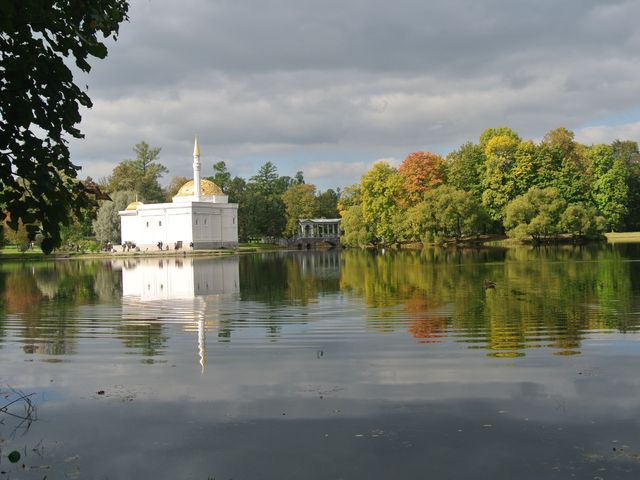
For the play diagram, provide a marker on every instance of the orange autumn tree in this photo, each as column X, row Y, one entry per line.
column 421, row 171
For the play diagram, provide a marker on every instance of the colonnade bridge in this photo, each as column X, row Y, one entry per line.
column 316, row 231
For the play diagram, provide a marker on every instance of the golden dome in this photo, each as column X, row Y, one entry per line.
column 207, row 187
column 134, row 205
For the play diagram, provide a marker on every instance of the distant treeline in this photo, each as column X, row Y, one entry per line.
column 502, row 184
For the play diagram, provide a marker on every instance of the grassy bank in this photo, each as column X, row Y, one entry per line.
column 623, row 237
column 11, row 252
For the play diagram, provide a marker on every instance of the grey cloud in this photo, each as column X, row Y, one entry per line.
column 165, row 42
column 385, row 78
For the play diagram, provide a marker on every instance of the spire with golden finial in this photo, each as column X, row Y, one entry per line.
column 196, row 148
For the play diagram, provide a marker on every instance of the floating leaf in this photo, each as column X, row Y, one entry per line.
column 14, row 456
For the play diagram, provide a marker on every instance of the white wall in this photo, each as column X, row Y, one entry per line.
column 230, row 224
column 204, row 223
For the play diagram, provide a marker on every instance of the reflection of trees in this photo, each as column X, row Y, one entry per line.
column 45, row 297
column 428, row 328
column 544, row 297
column 294, row 279
column 548, row 297
column 21, row 293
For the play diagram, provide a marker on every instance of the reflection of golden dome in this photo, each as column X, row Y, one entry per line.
column 134, row 205
column 207, row 187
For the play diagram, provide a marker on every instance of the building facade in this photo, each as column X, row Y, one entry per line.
column 199, row 217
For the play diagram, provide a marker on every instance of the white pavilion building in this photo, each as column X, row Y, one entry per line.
column 200, row 216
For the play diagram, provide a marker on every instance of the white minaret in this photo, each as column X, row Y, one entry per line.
column 196, row 171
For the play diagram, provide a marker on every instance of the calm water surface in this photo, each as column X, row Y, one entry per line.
column 325, row 365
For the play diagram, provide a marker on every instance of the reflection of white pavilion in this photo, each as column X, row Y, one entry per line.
column 177, row 290
column 179, row 278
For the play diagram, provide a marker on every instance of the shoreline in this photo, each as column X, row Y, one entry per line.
column 488, row 241
column 39, row 256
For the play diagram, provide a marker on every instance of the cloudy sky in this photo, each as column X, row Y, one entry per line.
column 329, row 87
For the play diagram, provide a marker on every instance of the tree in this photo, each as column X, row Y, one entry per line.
column 107, row 223
column 40, row 104
column 356, row 231
column 18, row 236
column 458, row 214
column 444, row 212
column 124, row 177
column 140, row 175
column 174, row 186
column 235, row 189
column 300, row 202
column 266, row 180
column 221, row 177
column 328, row 204
column 535, row 215
column 350, row 196
column 567, row 167
column 489, row 133
column 80, row 227
column 464, row 167
column 421, row 171
column 582, row 221
column 627, row 153
column 381, row 189
column 261, row 205
column 609, row 189
column 145, row 158
column 497, row 180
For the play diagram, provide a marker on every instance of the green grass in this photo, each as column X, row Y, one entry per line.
column 257, row 246
column 623, row 237
column 11, row 252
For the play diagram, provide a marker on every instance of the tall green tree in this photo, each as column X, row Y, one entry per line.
column 266, row 180
column 141, row 174
column 610, row 188
column 357, row 232
column 382, row 187
column 498, row 181
column 627, row 153
column 264, row 209
column 40, row 104
column 464, row 169
column 221, row 176
column 300, row 202
column 328, row 203
column 567, row 166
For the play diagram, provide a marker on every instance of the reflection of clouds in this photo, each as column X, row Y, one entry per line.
column 430, row 421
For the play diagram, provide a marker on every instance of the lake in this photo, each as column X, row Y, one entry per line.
column 324, row 365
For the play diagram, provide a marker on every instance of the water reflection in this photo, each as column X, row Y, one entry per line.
column 381, row 363
column 183, row 291
column 544, row 298
column 178, row 278
column 40, row 301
